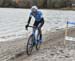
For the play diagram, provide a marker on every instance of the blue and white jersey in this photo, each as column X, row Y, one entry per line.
column 38, row 15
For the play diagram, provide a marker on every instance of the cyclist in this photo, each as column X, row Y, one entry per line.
column 39, row 19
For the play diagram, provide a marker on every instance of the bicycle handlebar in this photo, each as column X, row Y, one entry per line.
column 34, row 27
column 30, row 26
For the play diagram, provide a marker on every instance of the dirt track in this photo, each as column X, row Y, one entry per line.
column 51, row 50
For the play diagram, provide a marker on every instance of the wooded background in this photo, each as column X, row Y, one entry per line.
column 39, row 3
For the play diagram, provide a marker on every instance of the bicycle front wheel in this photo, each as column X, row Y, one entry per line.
column 30, row 45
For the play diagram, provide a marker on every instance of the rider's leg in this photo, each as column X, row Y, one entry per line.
column 40, row 26
column 40, row 35
column 35, row 24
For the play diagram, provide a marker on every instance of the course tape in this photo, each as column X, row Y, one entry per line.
column 68, row 22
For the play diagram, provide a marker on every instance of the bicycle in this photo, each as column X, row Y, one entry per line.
column 33, row 40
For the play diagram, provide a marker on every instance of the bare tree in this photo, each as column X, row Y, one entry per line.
column 1, row 2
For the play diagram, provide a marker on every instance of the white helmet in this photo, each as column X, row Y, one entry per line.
column 34, row 8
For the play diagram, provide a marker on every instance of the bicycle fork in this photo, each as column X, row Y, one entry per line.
column 35, row 36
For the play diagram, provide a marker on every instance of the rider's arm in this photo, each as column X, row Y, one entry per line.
column 29, row 20
column 28, row 23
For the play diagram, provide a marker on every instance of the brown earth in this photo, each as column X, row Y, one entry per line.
column 52, row 49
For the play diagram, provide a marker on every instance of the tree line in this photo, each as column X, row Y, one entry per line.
column 29, row 3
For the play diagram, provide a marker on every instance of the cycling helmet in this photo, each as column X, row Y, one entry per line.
column 34, row 8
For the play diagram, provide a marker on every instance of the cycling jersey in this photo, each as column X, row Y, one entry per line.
column 38, row 15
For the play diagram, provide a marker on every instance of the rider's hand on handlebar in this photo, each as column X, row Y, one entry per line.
column 26, row 27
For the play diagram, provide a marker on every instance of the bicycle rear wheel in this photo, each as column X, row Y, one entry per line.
column 29, row 47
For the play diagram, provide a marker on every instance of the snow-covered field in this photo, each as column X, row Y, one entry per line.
column 13, row 21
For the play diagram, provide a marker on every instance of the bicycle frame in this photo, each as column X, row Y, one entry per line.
column 35, row 32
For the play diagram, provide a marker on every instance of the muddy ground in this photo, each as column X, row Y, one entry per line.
column 52, row 49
